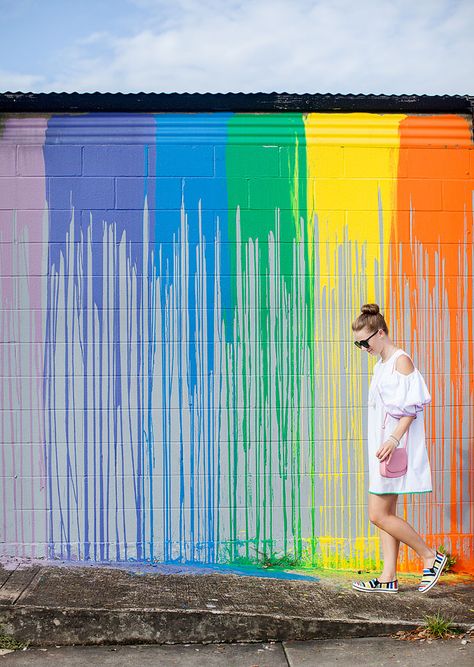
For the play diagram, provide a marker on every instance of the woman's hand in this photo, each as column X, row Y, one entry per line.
column 385, row 451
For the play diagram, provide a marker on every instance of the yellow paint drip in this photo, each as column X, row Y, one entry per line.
column 352, row 162
column 347, row 186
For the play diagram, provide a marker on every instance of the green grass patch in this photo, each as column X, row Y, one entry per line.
column 439, row 627
column 11, row 643
column 451, row 562
column 280, row 560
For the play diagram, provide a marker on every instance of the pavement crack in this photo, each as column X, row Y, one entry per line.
column 285, row 652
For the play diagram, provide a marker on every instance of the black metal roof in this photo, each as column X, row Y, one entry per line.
column 232, row 102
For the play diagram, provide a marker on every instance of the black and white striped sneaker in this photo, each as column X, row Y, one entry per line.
column 432, row 574
column 376, row 586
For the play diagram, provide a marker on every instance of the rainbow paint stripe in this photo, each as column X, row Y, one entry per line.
column 177, row 375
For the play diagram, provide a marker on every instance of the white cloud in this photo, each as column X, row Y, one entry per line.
column 14, row 81
column 377, row 46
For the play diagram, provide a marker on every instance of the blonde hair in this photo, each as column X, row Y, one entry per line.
column 370, row 317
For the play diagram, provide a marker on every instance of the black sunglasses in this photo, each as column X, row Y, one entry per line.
column 364, row 343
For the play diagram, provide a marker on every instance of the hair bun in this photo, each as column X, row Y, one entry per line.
column 370, row 309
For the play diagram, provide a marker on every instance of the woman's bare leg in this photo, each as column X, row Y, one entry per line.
column 382, row 514
column 390, row 548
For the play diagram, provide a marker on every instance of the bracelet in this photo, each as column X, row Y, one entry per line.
column 394, row 438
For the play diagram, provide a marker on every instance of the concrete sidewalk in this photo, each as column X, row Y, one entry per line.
column 65, row 604
column 322, row 653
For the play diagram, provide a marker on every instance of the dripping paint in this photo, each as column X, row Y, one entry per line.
column 177, row 377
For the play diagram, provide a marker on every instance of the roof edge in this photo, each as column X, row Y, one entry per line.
column 20, row 102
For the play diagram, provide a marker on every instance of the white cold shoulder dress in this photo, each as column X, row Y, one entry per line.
column 393, row 395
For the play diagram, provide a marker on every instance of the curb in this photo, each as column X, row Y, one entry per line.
column 45, row 626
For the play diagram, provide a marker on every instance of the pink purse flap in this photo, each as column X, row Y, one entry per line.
column 398, row 461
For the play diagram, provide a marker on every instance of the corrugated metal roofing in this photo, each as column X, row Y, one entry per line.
column 11, row 102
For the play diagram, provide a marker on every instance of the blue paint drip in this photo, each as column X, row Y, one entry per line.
column 201, row 180
column 66, row 197
column 187, row 175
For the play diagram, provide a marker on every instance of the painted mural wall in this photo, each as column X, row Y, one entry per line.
column 177, row 375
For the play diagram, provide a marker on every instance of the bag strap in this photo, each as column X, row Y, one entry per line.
column 406, row 432
column 383, row 402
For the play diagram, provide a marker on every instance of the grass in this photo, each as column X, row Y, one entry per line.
column 278, row 560
column 438, row 627
column 434, row 627
column 269, row 558
column 451, row 562
column 11, row 643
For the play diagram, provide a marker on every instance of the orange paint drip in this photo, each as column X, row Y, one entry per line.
column 430, row 298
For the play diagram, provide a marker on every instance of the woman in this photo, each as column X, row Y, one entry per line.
column 397, row 395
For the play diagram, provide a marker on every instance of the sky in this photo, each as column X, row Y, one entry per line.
column 294, row 46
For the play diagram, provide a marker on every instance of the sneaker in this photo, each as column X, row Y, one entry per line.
column 376, row 586
column 432, row 574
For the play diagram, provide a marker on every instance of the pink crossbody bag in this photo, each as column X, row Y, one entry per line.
column 398, row 464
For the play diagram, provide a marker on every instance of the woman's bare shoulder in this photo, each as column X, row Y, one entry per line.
column 404, row 365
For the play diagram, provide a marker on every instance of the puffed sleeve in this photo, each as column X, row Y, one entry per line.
column 404, row 395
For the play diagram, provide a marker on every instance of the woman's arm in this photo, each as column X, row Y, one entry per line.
column 402, row 427
column 385, row 451
column 405, row 366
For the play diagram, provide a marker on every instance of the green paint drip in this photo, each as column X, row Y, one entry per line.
column 271, row 289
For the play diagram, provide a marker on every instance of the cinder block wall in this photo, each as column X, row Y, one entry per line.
column 177, row 374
